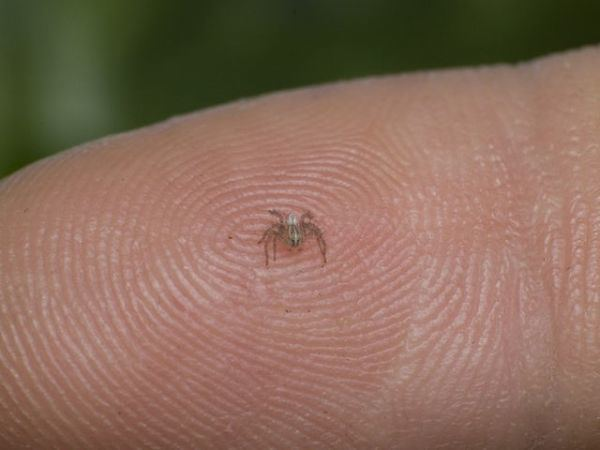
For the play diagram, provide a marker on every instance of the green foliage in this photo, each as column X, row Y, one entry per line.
column 72, row 71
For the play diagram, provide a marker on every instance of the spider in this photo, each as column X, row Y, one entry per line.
column 292, row 232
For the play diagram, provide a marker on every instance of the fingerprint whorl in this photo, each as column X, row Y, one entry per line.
column 218, row 210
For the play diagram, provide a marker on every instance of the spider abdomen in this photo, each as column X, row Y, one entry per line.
column 294, row 235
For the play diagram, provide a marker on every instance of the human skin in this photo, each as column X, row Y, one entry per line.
column 459, row 306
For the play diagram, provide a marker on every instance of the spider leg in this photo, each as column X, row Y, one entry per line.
column 266, row 237
column 272, row 233
column 267, row 253
column 306, row 217
column 323, row 248
column 277, row 214
column 278, row 232
column 311, row 229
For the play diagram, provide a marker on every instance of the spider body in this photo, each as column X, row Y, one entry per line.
column 292, row 232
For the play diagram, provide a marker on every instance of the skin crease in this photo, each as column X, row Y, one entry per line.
column 459, row 307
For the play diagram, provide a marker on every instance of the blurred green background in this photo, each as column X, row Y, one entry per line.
column 72, row 71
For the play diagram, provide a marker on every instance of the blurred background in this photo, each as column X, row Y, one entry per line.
column 72, row 70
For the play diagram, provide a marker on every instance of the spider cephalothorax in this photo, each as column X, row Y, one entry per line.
column 292, row 232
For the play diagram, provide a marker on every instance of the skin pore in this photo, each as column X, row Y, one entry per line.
column 459, row 306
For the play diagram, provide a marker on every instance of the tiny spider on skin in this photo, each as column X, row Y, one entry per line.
column 292, row 232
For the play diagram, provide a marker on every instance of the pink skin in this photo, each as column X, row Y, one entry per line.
column 460, row 305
